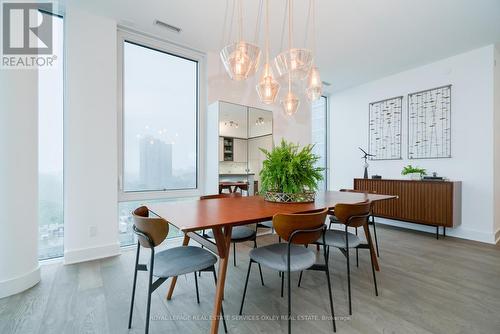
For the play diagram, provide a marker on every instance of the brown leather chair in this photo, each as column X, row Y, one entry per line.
column 172, row 262
column 354, row 216
column 298, row 230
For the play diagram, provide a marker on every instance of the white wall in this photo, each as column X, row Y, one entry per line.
column 19, row 269
column 91, row 168
column 220, row 87
column 497, row 140
column 472, row 133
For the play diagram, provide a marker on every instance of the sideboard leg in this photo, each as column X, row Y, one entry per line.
column 444, row 231
column 437, row 232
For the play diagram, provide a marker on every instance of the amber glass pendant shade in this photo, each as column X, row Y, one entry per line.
column 314, row 85
column 296, row 61
column 240, row 59
column 267, row 88
column 290, row 104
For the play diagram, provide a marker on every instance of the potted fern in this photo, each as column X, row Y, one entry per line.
column 289, row 174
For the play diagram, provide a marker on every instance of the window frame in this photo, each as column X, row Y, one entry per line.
column 61, row 14
column 327, row 140
column 161, row 45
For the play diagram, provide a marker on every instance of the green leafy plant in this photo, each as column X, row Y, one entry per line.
column 410, row 169
column 288, row 169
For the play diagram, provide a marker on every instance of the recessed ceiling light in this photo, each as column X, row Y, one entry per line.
column 167, row 26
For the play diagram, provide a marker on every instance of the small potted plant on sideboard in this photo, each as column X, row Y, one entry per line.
column 413, row 173
column 289, row 174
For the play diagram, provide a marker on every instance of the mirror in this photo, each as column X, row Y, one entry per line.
column 242, row 132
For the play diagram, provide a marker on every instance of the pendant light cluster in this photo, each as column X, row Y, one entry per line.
column 241, row 60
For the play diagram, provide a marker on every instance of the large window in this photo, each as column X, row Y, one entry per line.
column 160, row 155
column 50, row 149
column 160, row 120
column 319, row 124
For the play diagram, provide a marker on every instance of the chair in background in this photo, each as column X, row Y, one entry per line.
column 151, row 232
column 350, row 215
column 334, row 220
column 239, row 233
column 298, row 230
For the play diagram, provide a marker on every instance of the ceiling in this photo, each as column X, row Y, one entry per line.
column 357, row 40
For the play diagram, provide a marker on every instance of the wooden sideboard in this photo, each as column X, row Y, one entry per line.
column 435, row 203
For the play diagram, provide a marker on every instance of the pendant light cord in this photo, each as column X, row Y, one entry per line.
column 311, row 27
column 231, row 22
column 283, row 26
column 267, row 32
column 313, row 4
column 290, row 43
column 258, row 23
column 240, row 19
column 226, row 14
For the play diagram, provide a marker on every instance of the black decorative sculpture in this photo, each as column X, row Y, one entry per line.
column 366, row 155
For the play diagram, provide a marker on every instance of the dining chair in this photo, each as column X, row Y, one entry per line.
column 267, row 224
column 298, row 230
column 239, row 233
column 334, row 220
column 350, row 215
column 172, row 262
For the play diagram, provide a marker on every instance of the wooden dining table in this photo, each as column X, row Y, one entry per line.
column 221, row 215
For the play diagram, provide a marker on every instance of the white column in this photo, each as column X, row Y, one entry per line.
column 90, row 135
column 19, row 268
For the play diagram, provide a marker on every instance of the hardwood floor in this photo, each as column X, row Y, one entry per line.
column 420, row 291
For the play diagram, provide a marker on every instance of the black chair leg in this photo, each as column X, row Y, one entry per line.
column 327, row 271
column 234, row 254
column 260, row 269
column 357, row 252
column 261, row 277
column 245, row 289
column 375, row 235
column 289, row 301
column 371, row 260
column 282, row 283
column 150, row 291
column 300, row 279
column 374, row 277
column 221, row 308
column 196, row 284
column 133, row 287
column 348, row 272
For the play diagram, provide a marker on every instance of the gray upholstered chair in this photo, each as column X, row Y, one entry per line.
column 298, row 230
column 239, row 233
column 354, row 216
column 151, row 232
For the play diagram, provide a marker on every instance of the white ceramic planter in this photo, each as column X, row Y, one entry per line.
column 414, row 176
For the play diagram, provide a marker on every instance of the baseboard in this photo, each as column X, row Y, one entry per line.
column 19, row 284
column 89, row 254
column 458, row 232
